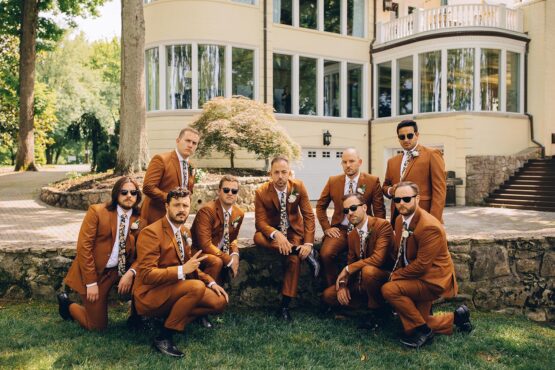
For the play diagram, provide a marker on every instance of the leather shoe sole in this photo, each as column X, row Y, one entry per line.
column 167, row 347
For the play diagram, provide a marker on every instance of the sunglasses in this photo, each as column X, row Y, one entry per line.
column 233, row 191
column 404, row 199
column 132, row 192
column 352, row 208
column 408, row 136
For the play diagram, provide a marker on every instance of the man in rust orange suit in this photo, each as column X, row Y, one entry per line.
column 423, row 272
column 421, row 165
column 167, row 171
column 285, row 224
column 105, row 256
column 169, row 283
column 370, row 240
column 353, row 181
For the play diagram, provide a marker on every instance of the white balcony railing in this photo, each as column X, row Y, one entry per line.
column 450, row 17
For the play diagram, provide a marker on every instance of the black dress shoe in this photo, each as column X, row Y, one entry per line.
column 63, row 306
column 421, row 336
column 167, row 347
column 313, row 262
column 205, row 322
column 284, row 314
column 462, row 319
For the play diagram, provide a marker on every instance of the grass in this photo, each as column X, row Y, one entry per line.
column 33, row 336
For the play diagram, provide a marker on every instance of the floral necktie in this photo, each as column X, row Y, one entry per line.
column 180, row 246
column 406, row 164
column 362, row 236
column 121, row 239
column 283, row 223
column 351, row 189
column 225, row 247
column 402, row 250
column 185, row 165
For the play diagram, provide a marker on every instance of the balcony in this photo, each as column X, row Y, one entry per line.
column 450, row 18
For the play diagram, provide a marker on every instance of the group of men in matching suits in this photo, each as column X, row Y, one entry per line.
column 177, row 274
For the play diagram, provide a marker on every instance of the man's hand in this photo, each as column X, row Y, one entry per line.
column 193, row 263
column 220, row 291
column 126, row 282
column 282, row 243
column 344, row 296
column 234, row 265
column 333, row 232
column 92, row 293
column 342, row 280
column 304, row 250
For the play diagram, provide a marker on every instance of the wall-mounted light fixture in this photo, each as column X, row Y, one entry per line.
column 327, row 138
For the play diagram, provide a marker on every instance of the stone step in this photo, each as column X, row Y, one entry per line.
column 511, row 195
column 523, row 207
column 521, row 202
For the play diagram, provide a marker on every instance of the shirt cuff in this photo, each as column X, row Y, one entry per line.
column 91, row 284
column 389, row 191
column 180, row 275
column 312, row 245
column 211, row 284
column 347, row 269
column 133, row 271
column 273, row 234
column 231, row 255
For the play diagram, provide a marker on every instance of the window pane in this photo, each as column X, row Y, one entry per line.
column 152, row 82
column 283, row 11
column 460, row 79
column 307, row 85
column 242, row 73
column 211, row 81
column 332, row 16
column 489, row 79
column 405, row 78
column 308, row 13
column 355, row 18
column 354, row 90
column 384, row 89
column 179, row 82
column 430, row 81
column 332, row 96
column 282, row 83
column 513, row 82
column 245, row 1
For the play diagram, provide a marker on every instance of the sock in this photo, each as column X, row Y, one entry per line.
column 423, row 329
column 285, row 301
column 166, row 333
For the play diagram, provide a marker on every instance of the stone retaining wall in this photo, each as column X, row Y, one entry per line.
column 485, row 173
column 202, row 193
column 510, row 275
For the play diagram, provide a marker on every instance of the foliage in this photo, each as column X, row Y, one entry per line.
column 227, row 125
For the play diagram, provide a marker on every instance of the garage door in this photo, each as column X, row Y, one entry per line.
column 317, row 166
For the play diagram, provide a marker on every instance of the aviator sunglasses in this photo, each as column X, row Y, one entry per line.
column 402, row 136
column 404, row 199
column 233, row 191
column 352, row 208
column 132, row 192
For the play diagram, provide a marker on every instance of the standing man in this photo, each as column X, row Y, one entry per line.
column 167, row 171
column 169, row 283
column 105, row 256
column 216, row 228
column 353, row 181
column 421, row 165
column 285, row 224
column 359, row 283
column 422, row 273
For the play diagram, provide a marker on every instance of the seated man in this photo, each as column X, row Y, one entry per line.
column 169, row 283
column 359, row 283
column 422, row 273
column 105, row 256
column 284, row 223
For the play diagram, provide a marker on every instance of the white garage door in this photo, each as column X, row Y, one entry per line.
column 317, row 166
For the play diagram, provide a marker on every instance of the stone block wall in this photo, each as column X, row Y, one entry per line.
column 485, row 173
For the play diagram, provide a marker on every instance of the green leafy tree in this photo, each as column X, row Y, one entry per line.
column 89, row 130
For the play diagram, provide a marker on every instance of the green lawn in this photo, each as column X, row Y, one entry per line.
column 34, row 336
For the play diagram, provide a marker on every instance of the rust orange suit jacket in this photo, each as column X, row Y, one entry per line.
column 94, row 246
column 157, row 261
column 162, row 175
column 301, row 217
column 334, row 190
column 378, row 250
column 208, row 229
column 427, row 253
column 428, row 172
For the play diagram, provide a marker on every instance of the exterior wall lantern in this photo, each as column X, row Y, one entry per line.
column 327, row 138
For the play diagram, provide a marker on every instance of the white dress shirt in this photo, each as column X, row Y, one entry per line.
column 345, row 221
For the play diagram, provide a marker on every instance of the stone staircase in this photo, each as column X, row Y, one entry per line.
column 532, row 187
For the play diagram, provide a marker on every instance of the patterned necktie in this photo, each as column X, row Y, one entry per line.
column 225, row 247
column 121, row 239
column 185, row 167
column 180, row 246
column 362, row 236
column 283, row 223
column 351, row 190
column 402, row 250
column 406, row 164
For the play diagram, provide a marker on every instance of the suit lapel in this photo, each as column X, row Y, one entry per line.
column 169, row 232
column 288, row 192
column 396, row 164
column 340, row 188
column 273, row 195
column 114, row 224
column 219, row 212
column 176, row 166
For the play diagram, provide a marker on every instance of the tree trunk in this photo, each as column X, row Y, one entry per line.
column 266, row 164
column 132, row 151
column 232, row 160
column 25, row 159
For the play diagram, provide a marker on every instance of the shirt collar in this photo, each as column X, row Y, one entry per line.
column 121, row 211
column 364, row 227
column 408, row 219
column 355, row 180
column 412, row 150
column 180, row 157
column 279, row 192
column 174, row 228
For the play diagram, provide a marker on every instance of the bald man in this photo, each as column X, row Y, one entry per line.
column 351, row 181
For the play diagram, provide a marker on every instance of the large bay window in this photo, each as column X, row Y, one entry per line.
column 384, row 89
column 430, row 81
column 405, row 82
column 242, row 72
column 460, row 79
column 179, row 76
column 282, row 82
column 354, row 90
column 211, row 72
column 308, row 77
column 489, row 79
column 513, row 82
column 152, row 68
column 332, row 88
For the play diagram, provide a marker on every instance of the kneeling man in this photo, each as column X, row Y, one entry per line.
column 169, row 282
column 422, row 273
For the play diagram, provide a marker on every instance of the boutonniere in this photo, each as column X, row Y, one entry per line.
column 235, row 222
column 293, row 195
column 415, row 153
column 198, row 174
column 188, row 239
column 406, row 233
column 362, row 189
column 135, row 225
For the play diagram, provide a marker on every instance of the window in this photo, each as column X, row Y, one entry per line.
column 152, row 69
column 489, row 79
column 338, row 154
column 311, row 154
column 242, row 72
column 325, row 154
column 332, row 16
column 251, row 2
column 384, row 89
column 179, row 85
column 211, row 72
column 282, row 83
column 355, row 18
column 307, row 85
column 283, row 11
column 430, row 81
column 513, row 82
column 354, row 90
column 308, row 14
column 460, row 79
column 405, row 81
column 332, row 96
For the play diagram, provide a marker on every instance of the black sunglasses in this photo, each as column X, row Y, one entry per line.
column 132, row 192
column 404, row 199
column 402, row 136
column 233, row 191
column 351, row 208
